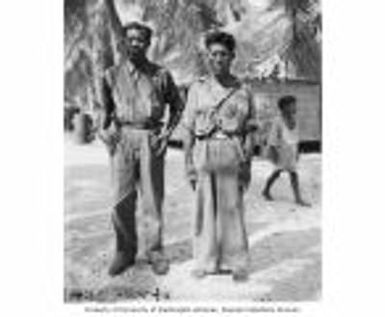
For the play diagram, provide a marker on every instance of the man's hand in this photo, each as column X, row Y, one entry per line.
column 193, row 178
column 159, row 143
column 245, row 174
column 110, row 137
column 191, row 174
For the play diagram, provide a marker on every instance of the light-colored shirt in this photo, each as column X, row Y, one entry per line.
column 286, row 142
column 219, row 151
column 235, row 115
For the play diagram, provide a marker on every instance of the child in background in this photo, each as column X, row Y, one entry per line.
column 283, row 148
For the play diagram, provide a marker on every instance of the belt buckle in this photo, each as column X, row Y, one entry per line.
column 220, row 135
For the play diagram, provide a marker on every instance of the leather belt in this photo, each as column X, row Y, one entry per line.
column 218, row 135
column 139, row 125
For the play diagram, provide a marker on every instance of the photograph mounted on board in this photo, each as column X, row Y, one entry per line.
column 192, row 141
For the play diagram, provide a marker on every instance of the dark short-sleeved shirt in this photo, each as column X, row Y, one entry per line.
column 140, row 95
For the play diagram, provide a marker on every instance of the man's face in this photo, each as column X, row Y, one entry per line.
column 291, row 111
column 219, row 58
column 136, row 43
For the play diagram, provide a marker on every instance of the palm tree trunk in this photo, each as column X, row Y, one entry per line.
column 105, row 48
column 291, row 10
column 115, row 27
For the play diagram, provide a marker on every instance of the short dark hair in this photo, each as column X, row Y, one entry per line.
column 284, row 101
column 147, row 31
column 220, row 37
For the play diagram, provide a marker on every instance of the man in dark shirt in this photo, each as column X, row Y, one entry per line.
column 135, row 94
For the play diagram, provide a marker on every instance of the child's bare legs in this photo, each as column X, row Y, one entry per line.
column 270, row 181
column 295, row 185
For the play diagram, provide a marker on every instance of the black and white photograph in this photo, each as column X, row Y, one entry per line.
column 192, row 151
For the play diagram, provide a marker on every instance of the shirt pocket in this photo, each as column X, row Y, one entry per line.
column 156, row 104
column 150, row 105
column 234, row 114
column 229, row 118
column 203, row 120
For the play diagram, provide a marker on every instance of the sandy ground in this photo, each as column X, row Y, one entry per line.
column 285, row 240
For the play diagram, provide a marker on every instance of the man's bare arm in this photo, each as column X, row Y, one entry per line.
column 176, row 104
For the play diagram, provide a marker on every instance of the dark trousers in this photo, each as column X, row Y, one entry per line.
column 137, row 171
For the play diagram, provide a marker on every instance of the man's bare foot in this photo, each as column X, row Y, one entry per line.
column 120, row 263
column 267, row 195
column 240, row 275
column 159, row 263
column 302, row 203
column 198, row 273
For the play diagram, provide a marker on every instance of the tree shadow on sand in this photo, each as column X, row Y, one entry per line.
column 290, row 264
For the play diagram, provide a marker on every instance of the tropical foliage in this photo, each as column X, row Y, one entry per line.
column 277, row 38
